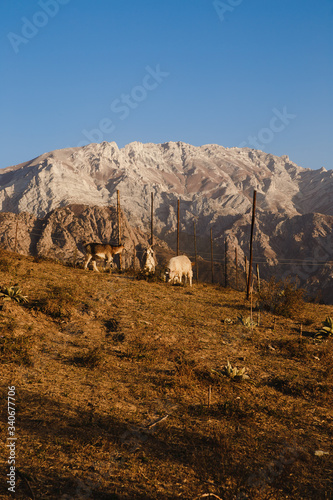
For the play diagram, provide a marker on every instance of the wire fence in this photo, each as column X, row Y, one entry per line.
column 220, row 264
column 219, row 256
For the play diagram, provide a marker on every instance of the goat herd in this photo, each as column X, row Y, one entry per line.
column 178, row 268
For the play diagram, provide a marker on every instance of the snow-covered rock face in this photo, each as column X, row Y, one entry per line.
column 209, row 179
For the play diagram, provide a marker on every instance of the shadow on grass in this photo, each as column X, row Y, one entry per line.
column 62, row 451
column 65, row 450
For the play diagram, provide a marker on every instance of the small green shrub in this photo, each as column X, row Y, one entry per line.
column 326, row 330
column 232, row 372
column 247, row 321
column 13, row 293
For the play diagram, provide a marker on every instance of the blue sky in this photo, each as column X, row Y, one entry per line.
column 255, row 73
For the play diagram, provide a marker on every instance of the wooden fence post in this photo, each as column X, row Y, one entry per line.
column 15, row 244
column 246, row 273
column 195, row 251
column 152, row 220
column 226, row 262
column 134, row 255
column 258, row 278
column 119, row 227
column 251, row 244
column 211, row 254
column 178, row 227
column 236, row 264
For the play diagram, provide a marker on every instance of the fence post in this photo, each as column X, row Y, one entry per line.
column 178, row 227
column 236, row 264
column 134, row 255
column 251, row 244
column 195, row 251
column 211, row 254
column 119, row 227
column 15, row 244
column 226, row 262
column 152, row 220
column 258, row 278
column 246, row 273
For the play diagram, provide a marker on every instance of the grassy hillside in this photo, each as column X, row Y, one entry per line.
column 112, row 377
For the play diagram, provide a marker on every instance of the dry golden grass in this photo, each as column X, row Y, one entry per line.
column 112, row 376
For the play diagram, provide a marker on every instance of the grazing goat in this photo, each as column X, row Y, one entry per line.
column 149, row 261
column 98, row 251
column 177, row 268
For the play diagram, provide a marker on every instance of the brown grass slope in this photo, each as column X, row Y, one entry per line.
column 112, row 376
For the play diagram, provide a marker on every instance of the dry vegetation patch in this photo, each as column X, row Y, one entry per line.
column 113, row 377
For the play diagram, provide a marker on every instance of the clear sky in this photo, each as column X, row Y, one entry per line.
column 255, row 73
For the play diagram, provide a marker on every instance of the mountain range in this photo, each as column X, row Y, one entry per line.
column 215, row 185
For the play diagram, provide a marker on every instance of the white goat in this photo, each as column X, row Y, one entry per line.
column 149, row 260
column 177, row 268
column 98, row 251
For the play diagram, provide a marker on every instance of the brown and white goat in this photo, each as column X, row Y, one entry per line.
column 97, row 251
